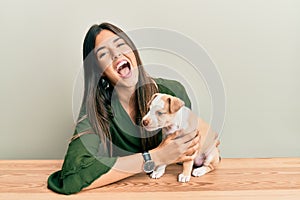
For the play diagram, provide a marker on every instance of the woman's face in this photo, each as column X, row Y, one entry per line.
column 116, row 59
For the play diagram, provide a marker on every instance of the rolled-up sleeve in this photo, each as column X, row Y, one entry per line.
column 81, row 166
column 82, row 163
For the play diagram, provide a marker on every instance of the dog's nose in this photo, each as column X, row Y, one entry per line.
column 145, row 122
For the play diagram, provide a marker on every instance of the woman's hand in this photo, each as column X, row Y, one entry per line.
column 175, row 149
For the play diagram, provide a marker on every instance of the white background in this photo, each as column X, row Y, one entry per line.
column 255, row 45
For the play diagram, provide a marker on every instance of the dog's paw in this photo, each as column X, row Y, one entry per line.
column 157, row 174
column 183, row 179
column 199, row 171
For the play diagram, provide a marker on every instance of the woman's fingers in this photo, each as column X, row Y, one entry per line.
column 190, row 146
column 185, row 158
column 192, row 149
column 178, row 147
column 196, row 139
column 174, row 135
column 187, row 137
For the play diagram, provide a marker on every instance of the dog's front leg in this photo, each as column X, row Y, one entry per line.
column 158, row 172
column 185, row 176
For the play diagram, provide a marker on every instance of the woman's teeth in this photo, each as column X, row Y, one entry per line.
column 124, row 69
column 121, row 64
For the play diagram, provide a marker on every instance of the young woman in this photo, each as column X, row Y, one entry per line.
column 108, row 142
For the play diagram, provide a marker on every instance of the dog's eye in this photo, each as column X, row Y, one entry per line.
column 160, row 113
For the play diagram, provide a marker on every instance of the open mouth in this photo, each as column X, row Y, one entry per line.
column 124, row 69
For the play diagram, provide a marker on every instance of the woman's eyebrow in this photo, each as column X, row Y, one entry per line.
column 115, row 40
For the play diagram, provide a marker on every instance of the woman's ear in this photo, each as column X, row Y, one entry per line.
column 174, row 104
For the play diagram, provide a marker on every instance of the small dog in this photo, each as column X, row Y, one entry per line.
column 170, row 114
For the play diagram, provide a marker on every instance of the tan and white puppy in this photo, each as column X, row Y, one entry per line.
column 170, row 114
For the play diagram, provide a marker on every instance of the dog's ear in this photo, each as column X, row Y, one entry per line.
column 153, row 97
column 174, row 104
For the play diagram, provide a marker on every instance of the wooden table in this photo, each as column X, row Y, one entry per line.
column 272, row 178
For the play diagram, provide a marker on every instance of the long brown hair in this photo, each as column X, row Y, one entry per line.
column 97, row 93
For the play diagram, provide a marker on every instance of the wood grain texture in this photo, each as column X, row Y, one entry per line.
column 271, row 178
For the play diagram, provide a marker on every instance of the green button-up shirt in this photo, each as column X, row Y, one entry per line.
column 84, row 163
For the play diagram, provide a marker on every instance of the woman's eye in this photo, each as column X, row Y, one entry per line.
column 101, row 55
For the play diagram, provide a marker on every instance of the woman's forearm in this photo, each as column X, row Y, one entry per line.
column 171, row 150
column 124, row 167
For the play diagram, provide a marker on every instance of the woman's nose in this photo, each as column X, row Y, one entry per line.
column 116, row 54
